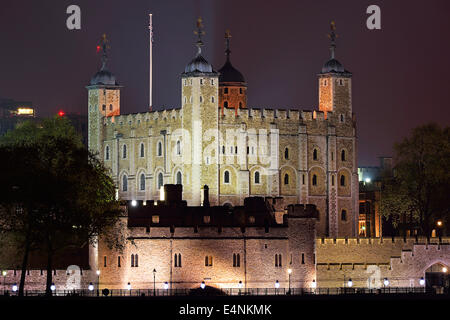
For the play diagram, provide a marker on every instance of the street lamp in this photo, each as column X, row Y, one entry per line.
column 91, row 287
column 439, row 223
column 53, row 287
column 4, row 273
column 314, row 284
column 129, row 286
column 349, row 283
column 14, row 287
column 240, row 285
column 98, row 281
column 289, row 272
column 166, row 285
column 444, row 269
column 133, row 203
column 386, row 282
column 202, row 285
column 154, row 281
column 422, row 281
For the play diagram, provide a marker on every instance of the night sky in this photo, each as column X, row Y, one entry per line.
column 400, row 73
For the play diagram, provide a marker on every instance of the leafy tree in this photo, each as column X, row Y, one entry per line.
column 421, row 181
column 67, row 199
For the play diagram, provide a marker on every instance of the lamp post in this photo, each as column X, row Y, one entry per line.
column 422, row 281
column 91, row 287
column 14, row 287
column 277, row 285
column 52, row 287
column 289, row 273
column 154, row 281
column 349, row 283
column 4, row 273
column 202, row 285
column 385, row 283
column 240, row 286
column 98, row 282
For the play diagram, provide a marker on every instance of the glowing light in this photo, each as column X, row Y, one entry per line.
column 14, row 287
column 98, row 272
column 439, row 223
column 386, row 282
column 53, row 287
column 422, row 281
column 161, row 193
column 289, row 270
column 98, row 49
column 349, row 283
column 129, row 286
column 240, row 284
column 91, row 287
column 61, row 113
column 4, row 273
column 202, row 285
column 277, row 284
column 26, row 111
column 444, row 269
column 134, row 203
column 166, row 285
column 367, row 180
column 313, row 284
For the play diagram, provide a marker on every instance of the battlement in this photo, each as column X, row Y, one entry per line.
column 274, row 114
column 384, row 241
column 150, row 117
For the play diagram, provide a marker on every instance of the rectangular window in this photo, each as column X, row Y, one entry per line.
column 104, row 261
column 118, row 262
column 303, row 258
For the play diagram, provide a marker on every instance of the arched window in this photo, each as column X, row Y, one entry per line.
column 286, row 179
column 142, row 151
column 344, row 215
column 124, row 183
column 225, row 104
column 314, row 180
column 179, row 259
column 136, row 260
column 286, row 153
column 124, row 151
column 208, row 261
column 160, row 180
column 179, row 178
column 278, row 260
column 178, row 147
column 342, row 180
column 257, row 177
column 201, row 99
column 315, row 154
column 343, row 158
column 159, row 149
column 142, row 182
column 118, row 262
column 132, row 260
column 107, row 153
column 226, row 176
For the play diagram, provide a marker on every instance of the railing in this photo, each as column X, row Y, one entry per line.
column 225, row 291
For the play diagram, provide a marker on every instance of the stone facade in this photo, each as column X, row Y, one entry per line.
column 237, row 152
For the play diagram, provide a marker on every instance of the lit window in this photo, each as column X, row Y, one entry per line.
column 278, row 260
column 236, row 260
column 208, row 261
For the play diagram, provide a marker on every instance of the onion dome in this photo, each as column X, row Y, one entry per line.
column 104, row 76
column 333, row 65
column 228, row 73
column 198, row 65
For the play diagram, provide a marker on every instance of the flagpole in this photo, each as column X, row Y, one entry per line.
column 150, row 27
